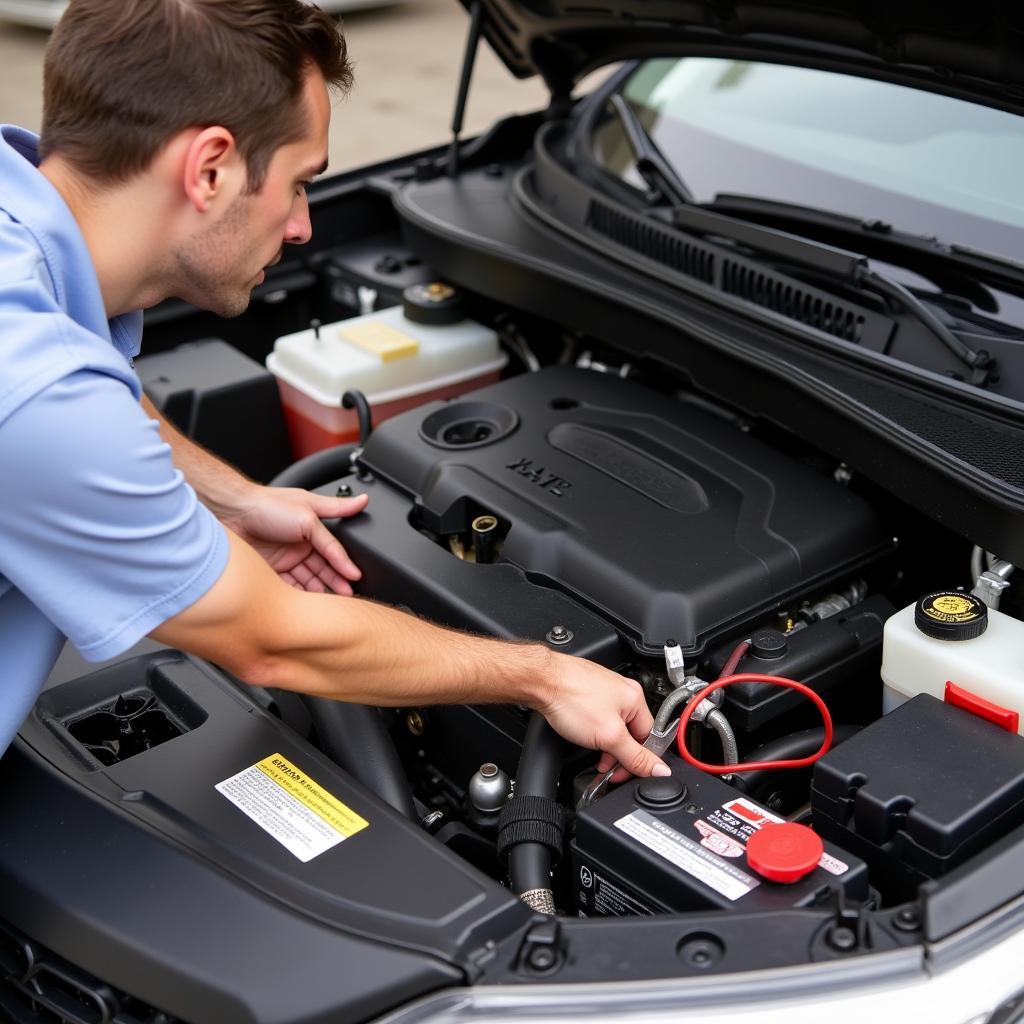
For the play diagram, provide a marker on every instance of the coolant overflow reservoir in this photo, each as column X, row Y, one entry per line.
column 951, row 636
column 398, row 357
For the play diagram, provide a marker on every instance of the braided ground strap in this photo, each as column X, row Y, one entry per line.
column 541, row 900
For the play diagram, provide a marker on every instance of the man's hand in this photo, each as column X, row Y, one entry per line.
column 596, row 708
column 283, row 525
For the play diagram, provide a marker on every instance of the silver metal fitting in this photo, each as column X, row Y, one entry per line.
column 703, row 709
column 992, row 582
column 489, row 788
column 559, row 636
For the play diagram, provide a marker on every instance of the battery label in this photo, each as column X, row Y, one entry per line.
column 737, row 820
column 726, row 830
column 286, row 803
column 599, row 895
column 689, row 856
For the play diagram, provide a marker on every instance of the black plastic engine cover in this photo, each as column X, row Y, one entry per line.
column 661, row 517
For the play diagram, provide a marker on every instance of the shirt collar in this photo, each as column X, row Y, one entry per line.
column 30, row 199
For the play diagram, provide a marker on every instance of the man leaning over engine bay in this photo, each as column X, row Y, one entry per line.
column 178, row 139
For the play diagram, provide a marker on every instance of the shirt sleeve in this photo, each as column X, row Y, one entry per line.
column 97, row 527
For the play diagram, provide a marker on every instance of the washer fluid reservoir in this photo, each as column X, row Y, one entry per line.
column 424, row 350
column 952, row 637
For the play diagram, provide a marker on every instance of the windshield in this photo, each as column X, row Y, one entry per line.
column 926, row 163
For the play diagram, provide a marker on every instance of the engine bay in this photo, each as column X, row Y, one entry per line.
column 528, row 508
column 604, row 499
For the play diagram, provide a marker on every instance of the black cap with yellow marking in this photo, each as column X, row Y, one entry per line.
column 951, row 615
column 433, row 303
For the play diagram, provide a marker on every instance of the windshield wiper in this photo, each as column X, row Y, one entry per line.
column 926, row 251
column 663, row 180
column 849, row 267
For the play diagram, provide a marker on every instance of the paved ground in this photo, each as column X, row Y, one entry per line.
column 407, row 64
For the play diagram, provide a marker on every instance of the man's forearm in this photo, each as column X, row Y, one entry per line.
column 350, row 649
column 356, row 650
column 221, row 488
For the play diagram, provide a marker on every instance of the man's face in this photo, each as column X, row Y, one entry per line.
column 219, row 266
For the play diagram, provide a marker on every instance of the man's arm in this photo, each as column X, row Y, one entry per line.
column 282, row 524
column 356, row 650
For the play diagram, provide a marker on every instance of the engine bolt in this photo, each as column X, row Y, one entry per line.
column 841, row 939
column 907, row 920
column 559, row 636
column 541, row 958
column 700, row 950
column 415, row 724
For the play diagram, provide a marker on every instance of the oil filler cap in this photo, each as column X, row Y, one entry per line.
column 784, row 852
column 951, row 615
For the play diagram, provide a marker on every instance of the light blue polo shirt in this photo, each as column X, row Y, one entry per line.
column 101, row 539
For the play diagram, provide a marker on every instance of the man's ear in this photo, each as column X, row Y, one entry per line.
column 212, row 162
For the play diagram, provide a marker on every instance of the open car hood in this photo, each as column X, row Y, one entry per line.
column 971, row 51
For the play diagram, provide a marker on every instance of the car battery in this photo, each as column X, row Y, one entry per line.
column 679, row 843
column 919, row 791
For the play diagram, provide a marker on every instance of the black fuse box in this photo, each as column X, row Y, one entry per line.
column 678, row 844
column 918, row 791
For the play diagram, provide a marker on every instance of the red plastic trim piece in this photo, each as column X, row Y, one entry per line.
column 749, row 766
column 1005, row 718
column 784, row 852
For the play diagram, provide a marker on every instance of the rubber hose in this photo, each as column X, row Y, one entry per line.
column 717, row 721
column 354, row 737
column 669, row 706
column 354, row 399
column 540, row 763
column 787, row 748
column 317, row 469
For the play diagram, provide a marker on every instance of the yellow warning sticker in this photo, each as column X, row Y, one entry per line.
column 291, row 807
column 315, row 797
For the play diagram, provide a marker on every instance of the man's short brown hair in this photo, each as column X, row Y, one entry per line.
column 122, row 77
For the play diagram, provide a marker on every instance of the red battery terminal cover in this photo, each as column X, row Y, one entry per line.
column 1005, row 718
column 784, row 852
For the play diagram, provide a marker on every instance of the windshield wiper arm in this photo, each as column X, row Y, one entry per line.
column 999, row 271
column 843, row 264
column 850, row 267
column 651, row 164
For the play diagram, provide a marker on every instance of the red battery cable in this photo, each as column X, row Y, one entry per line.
column 753, row 677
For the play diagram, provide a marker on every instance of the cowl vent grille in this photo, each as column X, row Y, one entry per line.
column 781, row 296
column 731, row 275
column 654, row 242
